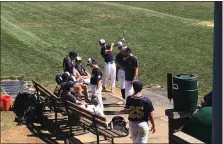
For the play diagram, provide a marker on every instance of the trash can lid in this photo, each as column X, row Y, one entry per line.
column 185, row 76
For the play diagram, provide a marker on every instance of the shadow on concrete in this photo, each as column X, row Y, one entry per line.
column 51, row 132
column 113, row 105
column 111, row 112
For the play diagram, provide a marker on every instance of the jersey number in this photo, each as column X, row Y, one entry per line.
column 136, row 112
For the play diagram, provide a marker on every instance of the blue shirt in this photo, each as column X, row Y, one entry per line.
column 96, row 75
column 119, row 60
column 130, row 64
column 107, row 57
column 139, row 108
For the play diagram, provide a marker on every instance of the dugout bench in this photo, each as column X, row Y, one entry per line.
column 91, row 122
column 49, row 99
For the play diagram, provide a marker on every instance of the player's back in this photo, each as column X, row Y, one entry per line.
column 139, row 108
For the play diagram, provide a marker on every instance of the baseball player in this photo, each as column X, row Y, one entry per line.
column 96, row 78
column 121, row 73
column 82, row 73
column 140, row 110
column 69, row 62
column 131, row 65
column 110, row 67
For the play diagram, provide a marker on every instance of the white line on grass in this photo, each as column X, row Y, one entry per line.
column 26, row 37
column 160, row 15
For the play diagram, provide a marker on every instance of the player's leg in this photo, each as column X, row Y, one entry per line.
column 106, row 76
column 117, row 69
column 101, row 105
column 128, row 89
column 78, row 89
column 143, row 132
column 85, row 92
column 121, row 79
column 113, row 76
column 133, row 131
column 93, row 88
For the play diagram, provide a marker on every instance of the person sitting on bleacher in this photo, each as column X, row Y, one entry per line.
column 61, row 80
column 67, row 95
column 82, row 74
column 78, row 87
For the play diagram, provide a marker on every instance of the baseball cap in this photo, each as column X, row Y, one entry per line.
column 120, row 44
column 65, row 76
column 91, row 61
column 128, row 50
column 102, row 41
column 79, row 58
column 137, row 85
column 73, row 53
column 69, row 84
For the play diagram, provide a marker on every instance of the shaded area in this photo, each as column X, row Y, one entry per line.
column 53, row 132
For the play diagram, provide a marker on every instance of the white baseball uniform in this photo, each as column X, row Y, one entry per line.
column 110, row 71
column 110, row 67
column 98, row 94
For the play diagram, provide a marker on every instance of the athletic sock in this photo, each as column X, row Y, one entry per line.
column 123, row 93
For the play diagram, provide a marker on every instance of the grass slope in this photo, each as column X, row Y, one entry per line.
column 165, row 36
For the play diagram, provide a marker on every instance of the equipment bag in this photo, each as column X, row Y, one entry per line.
column 27, row 108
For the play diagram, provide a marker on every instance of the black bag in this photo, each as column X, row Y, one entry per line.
column 118, row 123
column 27, row 108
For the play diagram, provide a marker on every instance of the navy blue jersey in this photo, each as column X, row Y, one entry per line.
column 67, row 96
column 107, row 57
column 130, row 64
column 139, row 108
column 119, row 60
column 68, row 65
column 81, row 70
column 96, row 75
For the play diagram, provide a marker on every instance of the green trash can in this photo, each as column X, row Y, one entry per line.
column 185, row 92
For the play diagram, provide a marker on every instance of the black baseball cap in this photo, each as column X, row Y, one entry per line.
column 137, row 85
column 73, row 53
column 69, row 84
column 128, row 50
column 65, row 76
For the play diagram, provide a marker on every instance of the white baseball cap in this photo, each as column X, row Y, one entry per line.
column 67, row 73
column 120, row 44
column 79, row 58
column 102, row 41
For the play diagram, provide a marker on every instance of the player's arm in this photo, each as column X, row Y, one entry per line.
column 99, row 84
column 76, row 74
column 136, row 69
column 99, row 80
column 88, row 74
column 151, row 118
column 110, row 49
column 126, row 108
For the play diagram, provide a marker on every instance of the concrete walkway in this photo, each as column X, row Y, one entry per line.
column 160, row 102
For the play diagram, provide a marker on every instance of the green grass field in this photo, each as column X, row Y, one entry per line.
column 166, row 37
